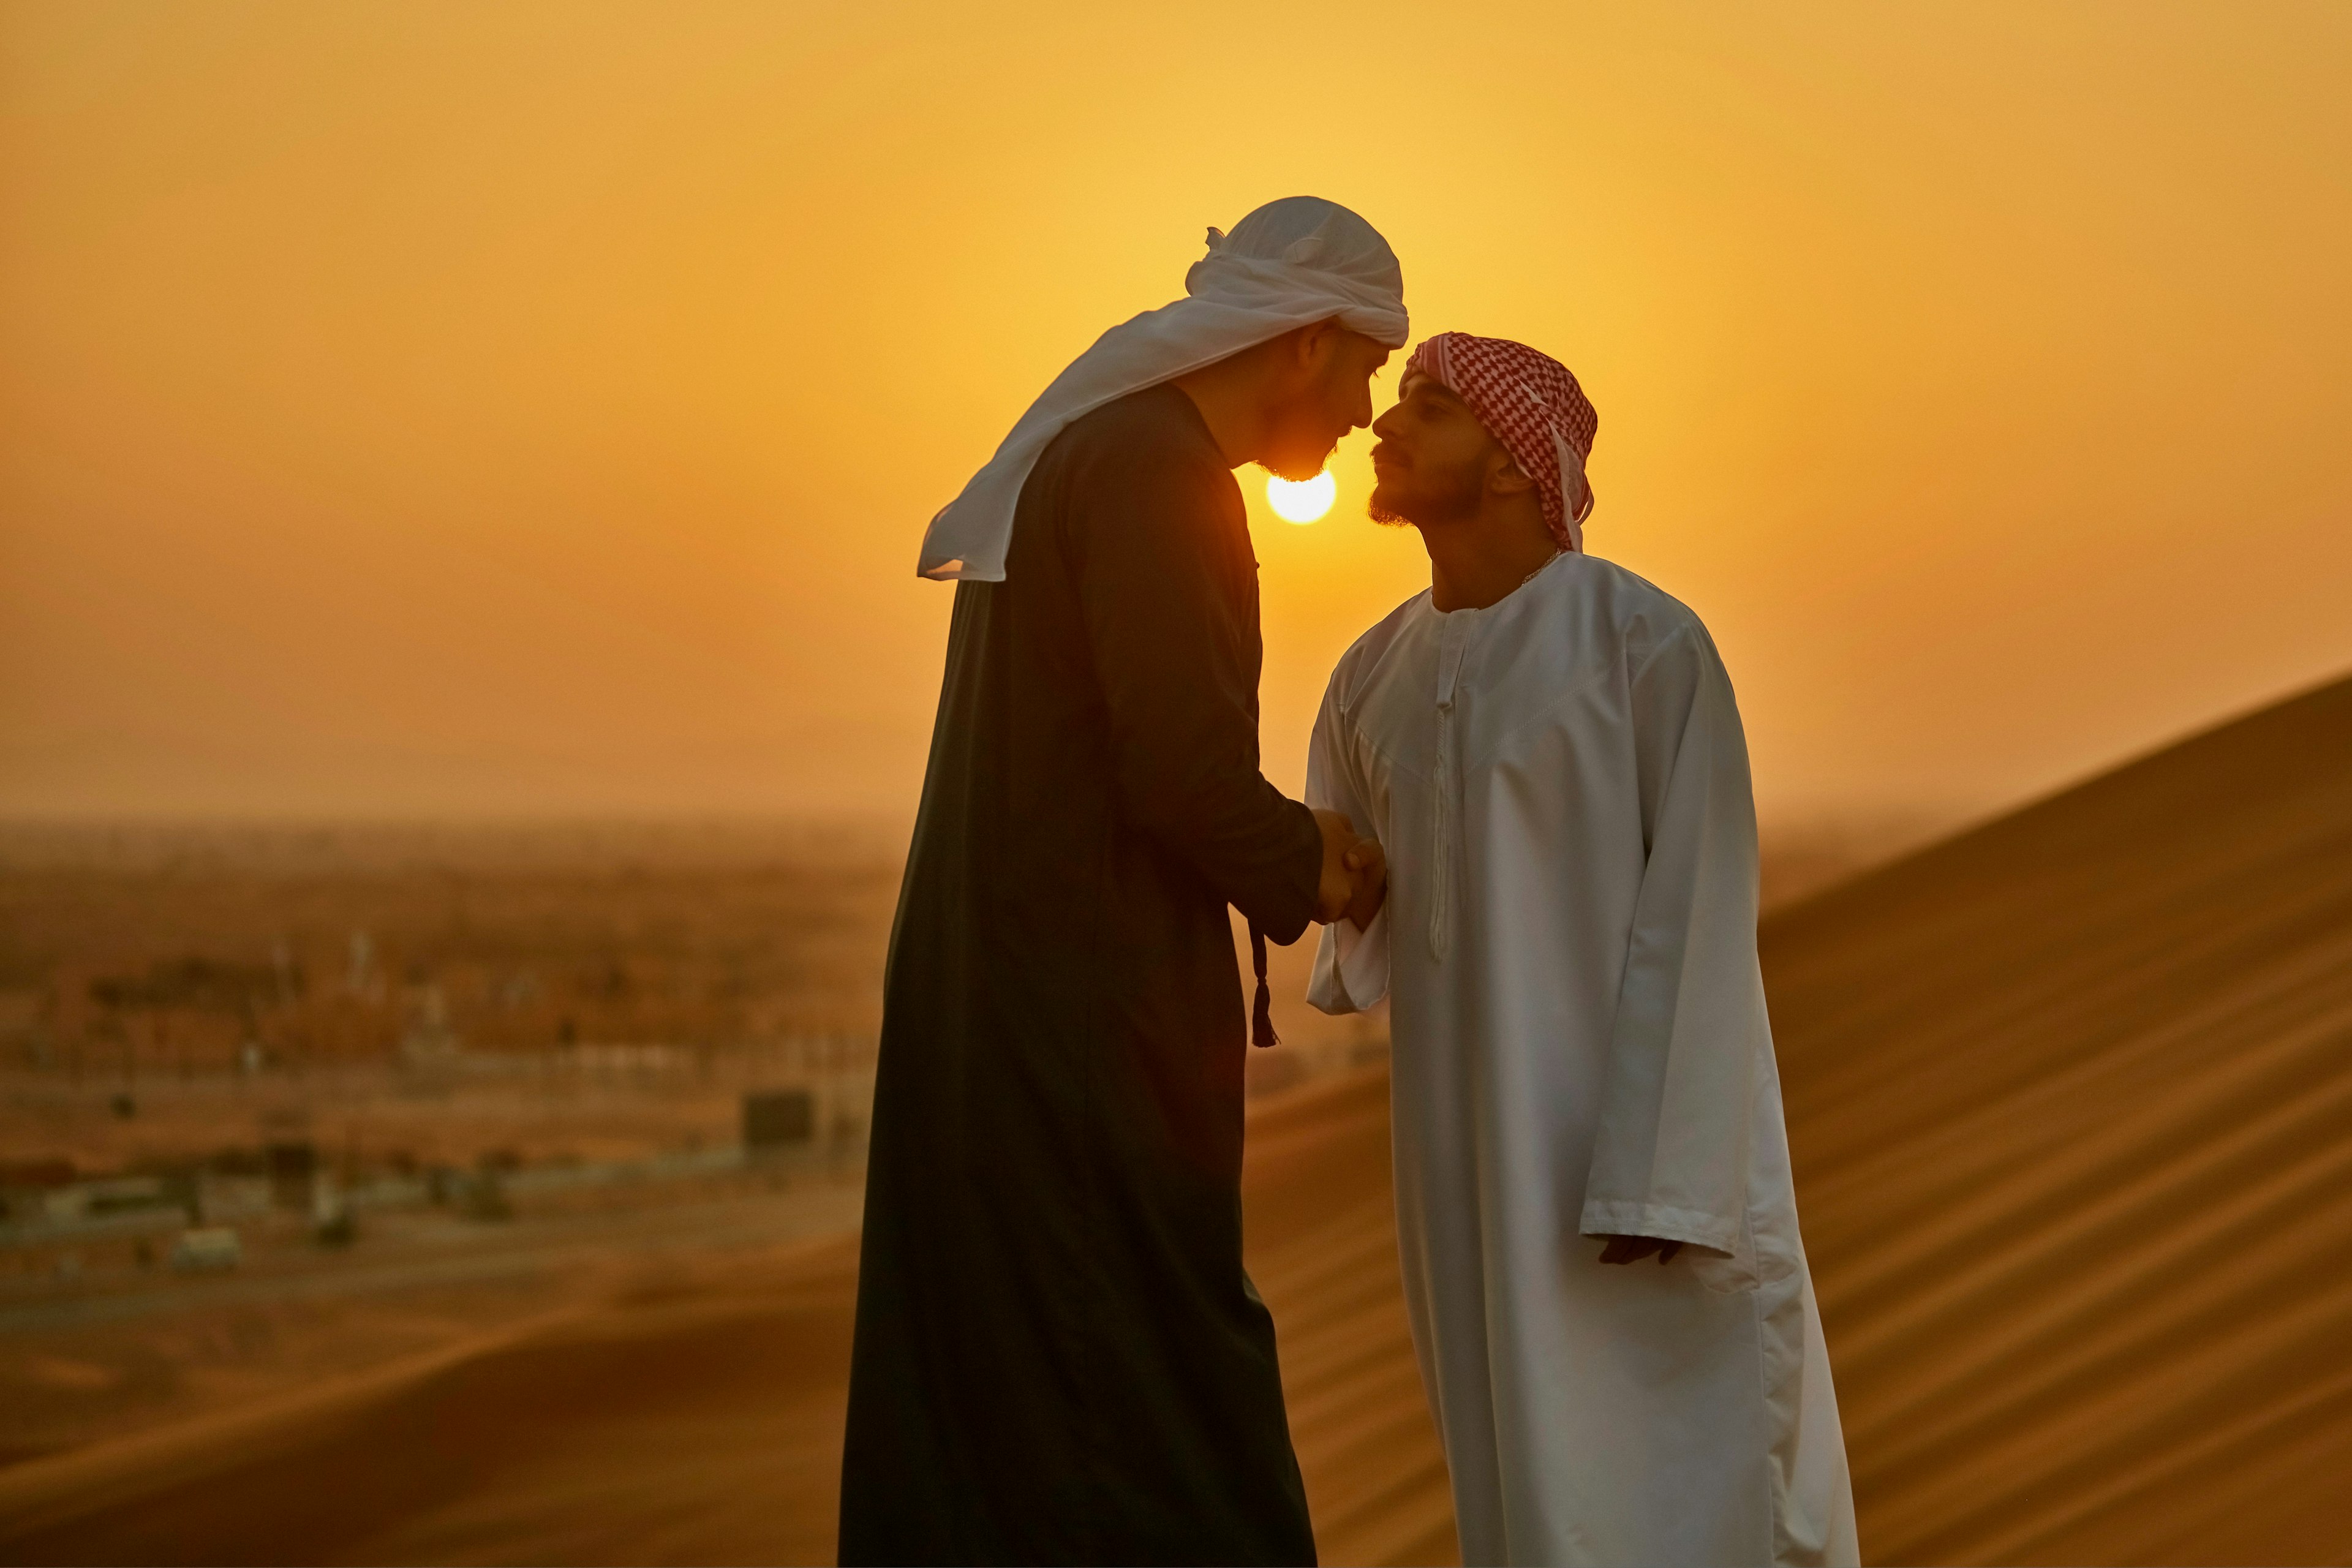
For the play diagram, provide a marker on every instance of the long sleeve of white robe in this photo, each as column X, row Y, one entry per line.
column 1581, row 1049
column 1690, row 1032
column 1352, row 965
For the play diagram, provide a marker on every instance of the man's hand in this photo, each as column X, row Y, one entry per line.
column 1633, row 1248
column 1369, row 864
column 1355, row 872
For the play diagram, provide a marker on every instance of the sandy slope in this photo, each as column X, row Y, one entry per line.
column 702, row 1423
column 2071, row 1101
column 698, row 1425
column 2072, row 1105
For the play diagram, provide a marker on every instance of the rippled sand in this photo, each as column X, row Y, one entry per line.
column 2071, row 1101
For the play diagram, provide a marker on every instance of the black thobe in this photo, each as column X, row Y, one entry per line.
column 1058, row 1356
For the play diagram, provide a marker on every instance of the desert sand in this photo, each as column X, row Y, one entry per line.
column 700, row 1420
column 2071, row 1102
column 2070, row 1098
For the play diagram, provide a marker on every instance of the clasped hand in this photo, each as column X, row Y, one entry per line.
column 1633, row 1248
column 1355, row 872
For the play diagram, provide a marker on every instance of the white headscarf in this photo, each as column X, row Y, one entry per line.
column 1289, row 264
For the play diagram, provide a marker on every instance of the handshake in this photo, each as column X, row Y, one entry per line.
column 1355, row 872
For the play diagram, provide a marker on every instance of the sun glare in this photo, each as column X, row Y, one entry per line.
column 1304, row 501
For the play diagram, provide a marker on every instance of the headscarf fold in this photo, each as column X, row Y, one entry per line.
column 1530, row 403
column 1289, row 264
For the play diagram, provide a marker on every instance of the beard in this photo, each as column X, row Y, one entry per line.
column 1296, row 467
column 1306, row 433
column 1298, row 454
column 1427, row 499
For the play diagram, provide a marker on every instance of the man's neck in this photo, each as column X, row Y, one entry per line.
column 1480, row 561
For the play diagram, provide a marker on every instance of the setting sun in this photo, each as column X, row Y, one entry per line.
column 1303, row 500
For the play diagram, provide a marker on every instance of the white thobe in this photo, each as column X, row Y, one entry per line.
column 1581, row 1046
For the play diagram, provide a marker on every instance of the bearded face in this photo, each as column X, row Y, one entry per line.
column 1330, row 395
column 1434, row 457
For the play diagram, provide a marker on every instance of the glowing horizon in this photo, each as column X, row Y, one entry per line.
column 423, row 409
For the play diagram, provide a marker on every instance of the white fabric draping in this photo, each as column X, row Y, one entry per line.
column 1289, row 264
column 1580, row 1048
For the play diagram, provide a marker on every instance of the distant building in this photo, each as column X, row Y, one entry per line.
column 293, row 1169
column 25, row 1186
column 428, row 1038
column 232, row 1194
column 209, row 1248
column 779, row 1119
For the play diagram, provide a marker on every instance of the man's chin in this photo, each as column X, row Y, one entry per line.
column 1381, row 509
column 1302, row 461
column 1297, row 470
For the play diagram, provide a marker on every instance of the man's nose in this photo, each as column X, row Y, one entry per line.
column 1383, row 427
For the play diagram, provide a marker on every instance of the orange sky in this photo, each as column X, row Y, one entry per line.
column 444, row 409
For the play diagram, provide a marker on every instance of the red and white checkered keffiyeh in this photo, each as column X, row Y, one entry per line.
column 1530, row 403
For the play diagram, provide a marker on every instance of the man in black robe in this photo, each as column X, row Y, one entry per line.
column 1058, row 1356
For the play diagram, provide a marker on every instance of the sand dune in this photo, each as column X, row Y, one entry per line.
column 2071, row 1101
column 1322, row 1249
column 2072, row 1105
column 702, row 1423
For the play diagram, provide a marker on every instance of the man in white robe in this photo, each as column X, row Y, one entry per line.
column 1548, row 749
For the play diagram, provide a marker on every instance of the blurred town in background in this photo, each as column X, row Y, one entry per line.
column 278, row 1104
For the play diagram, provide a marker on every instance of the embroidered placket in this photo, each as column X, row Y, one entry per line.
column 1452, row 639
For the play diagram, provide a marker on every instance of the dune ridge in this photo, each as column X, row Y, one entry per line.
column 2069, row 1099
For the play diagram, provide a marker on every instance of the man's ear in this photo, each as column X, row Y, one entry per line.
column 1508, row 479
column 1318, row 342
